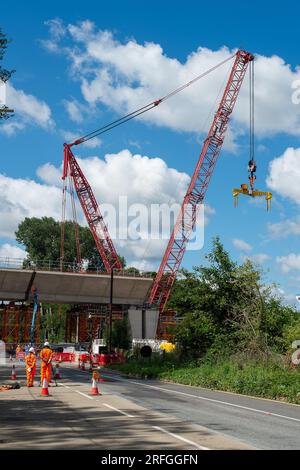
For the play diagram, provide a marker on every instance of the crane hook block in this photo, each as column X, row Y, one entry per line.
column 252, row 193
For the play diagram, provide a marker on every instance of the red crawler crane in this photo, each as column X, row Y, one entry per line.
column 195, row 194
column 198, row 186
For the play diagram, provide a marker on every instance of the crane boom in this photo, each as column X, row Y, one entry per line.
column 91, row 211
column 199, row 183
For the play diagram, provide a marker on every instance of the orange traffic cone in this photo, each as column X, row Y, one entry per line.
column 57, row 374
column 101, row 379
column 94, row 389
column 45, row 390
column 13, row 373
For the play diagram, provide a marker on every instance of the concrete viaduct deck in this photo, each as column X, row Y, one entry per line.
column 72, row 288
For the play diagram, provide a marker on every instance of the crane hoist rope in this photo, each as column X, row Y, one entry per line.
column 252, row 166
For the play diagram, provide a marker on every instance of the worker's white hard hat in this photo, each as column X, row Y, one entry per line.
column 46, row 343
column 31, row 350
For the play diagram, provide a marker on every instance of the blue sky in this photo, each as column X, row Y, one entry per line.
column 48, row 39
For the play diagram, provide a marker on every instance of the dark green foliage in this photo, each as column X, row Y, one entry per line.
column 4, row 73
column 41, row 238
column 120, row 337
column 225, row 308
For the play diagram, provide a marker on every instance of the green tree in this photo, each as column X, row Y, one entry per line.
column 226, row 306
column 5, row 74
column 41, row 238
column 120, row 337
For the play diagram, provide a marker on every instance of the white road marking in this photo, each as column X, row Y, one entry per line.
column 176, row 436
column 119, row 411
column 180, row 438
column 210, row 399
column 76, row 391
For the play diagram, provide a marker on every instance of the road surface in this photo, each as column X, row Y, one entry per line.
column 140, row 414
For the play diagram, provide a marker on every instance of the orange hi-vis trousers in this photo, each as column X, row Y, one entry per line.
column 30, row 361
column 46, row 357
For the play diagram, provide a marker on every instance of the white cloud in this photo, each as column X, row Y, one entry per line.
column 57, row 32
column 241, row 245
column 74, row 110
column 71, row 136
column 289, row 262
column 49, row 174
column 258, row 258
column 124, row 76
column 284, row 228
column 28, row 110
column 284, row 174
column 11, row 251
column 143, row 180
column 20, row 198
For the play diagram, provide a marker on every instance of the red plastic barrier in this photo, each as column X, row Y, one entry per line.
column 64, row 357
column 20, row 355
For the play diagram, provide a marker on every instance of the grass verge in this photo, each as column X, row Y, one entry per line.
column 265, row 380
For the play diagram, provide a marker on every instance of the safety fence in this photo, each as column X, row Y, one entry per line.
column 84, row 358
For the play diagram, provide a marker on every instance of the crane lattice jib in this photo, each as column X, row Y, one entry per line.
column 92, row 212
column 195, row 194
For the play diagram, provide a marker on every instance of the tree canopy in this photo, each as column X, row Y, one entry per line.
column 4, row 73
column 226, row 306
column 41, row 238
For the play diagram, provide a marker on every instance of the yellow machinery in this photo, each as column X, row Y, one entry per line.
column 253, row 193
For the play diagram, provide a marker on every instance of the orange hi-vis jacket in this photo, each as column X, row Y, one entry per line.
column 46, row 356
column 30, row 361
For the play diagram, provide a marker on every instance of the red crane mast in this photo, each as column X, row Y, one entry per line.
column 196, row 191
column 91, row 211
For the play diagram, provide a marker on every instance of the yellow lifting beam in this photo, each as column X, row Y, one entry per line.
column 253, row 193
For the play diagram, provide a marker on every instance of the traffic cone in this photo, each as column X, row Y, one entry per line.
column 45, row 390
column 13, row 373
column 57, row 374
column 94, row 389
column 101, row 379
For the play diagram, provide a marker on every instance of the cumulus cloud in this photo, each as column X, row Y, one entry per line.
column 284, row 173
column 125, row 75
column 20, row 198
column 11, row 251
column 241, row 245
column 284, row 228
column 49, row 174
column 289, row 262
column 28, row 110
column 130, row 184
column 74, row 110
column 71, row 136
column 260, row 258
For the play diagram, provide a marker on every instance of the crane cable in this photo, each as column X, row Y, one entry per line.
column 251, row 99
column 147, row 107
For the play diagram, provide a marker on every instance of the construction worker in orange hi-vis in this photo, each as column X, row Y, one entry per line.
column 30, row 361
column 46, row 357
